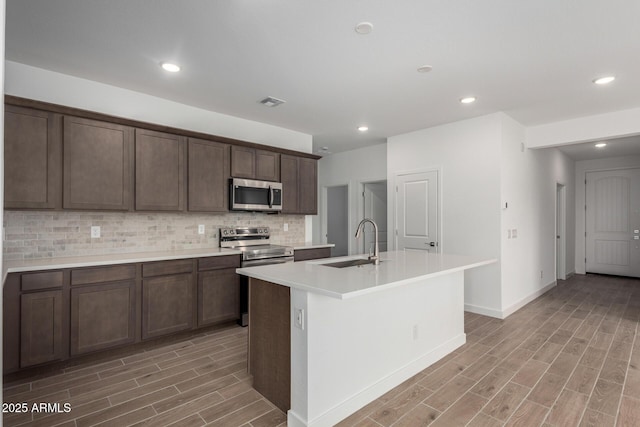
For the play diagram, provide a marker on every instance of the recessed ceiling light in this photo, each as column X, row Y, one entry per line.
column 601, row 145
column 363, row 128
column 364, row 28
column 604, row 80
column 468, row 100
column 172, row 68
column 425, row 69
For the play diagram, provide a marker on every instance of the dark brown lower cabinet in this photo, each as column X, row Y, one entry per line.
column 218, row 296
column 102, row 316
column 167, row 305
column 53, row 315
column 307, row 254
column 41, row 318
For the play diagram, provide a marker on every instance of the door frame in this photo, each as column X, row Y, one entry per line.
column 561, row 231
column 393, row 218
column 324, row 227
column 359, row 248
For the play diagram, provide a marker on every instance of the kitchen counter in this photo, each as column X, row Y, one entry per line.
column 21, row 266
column 395, row 269
column 348, row 335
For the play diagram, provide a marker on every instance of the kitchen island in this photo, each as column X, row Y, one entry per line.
column 325, row 341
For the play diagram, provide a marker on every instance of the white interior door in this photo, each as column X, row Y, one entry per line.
column 613, row 222
column 417, row 212
column 375, row 207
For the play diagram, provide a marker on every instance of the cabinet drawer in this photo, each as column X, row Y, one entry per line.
column 162, row 268
column 39, row 281
column 103, row 274
column 216, row 262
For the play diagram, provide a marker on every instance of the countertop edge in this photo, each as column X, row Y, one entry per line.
column 95, row 261
column 301, row 286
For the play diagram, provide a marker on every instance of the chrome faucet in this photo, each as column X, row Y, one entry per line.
column 376, row 251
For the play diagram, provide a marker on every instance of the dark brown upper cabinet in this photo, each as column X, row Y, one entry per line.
column 267, row 165
column 97, row 167
column 160, row 171
column 299, row 185
column 208, row 176
column 32, row 159
column 252, row 163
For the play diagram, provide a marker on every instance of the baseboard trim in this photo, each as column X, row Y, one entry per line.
column 485, row 311
column 359, row 400
column 526, row 300
column 503, row 314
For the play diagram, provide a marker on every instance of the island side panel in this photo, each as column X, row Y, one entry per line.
column 353, row 350
column 270, row 341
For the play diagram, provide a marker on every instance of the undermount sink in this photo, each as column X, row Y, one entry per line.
column 349, row 263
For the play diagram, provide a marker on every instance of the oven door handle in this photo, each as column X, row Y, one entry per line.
column 267, row 261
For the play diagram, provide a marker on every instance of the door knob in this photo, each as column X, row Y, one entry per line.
column 432, row 244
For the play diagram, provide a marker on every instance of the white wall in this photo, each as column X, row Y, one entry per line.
column 582, row 167
column 44, row 85
column 528, row 186
column 585, row 129
column 351, row 168
column 468, row 155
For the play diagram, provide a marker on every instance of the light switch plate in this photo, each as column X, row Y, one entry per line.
column 95, row 231
column 201, row 229
column 299, row 318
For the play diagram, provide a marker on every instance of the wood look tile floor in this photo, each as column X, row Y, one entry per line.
column 569, row 358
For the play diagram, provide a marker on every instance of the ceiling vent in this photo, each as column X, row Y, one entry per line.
column 270, row 101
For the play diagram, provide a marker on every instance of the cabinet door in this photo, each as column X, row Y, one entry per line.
column 160, row 180
column 40, row 327
column 97, row 165
column 102, row 316
column 208, row 176
column 267, row 165
column 218, row 296
column 243, row 162
column 289, row 177
column 167, row 305
column 307, row 186
column 32, row 159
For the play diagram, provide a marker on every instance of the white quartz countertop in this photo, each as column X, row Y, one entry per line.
column 395, row 269
column 13, row 266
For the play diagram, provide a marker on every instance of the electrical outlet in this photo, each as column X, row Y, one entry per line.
column 415, row 332
column 95, row 231
column 286, row 227
column 514, row 233
column 201, row 229
column 542, row 274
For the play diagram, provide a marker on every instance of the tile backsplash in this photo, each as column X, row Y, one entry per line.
column 37, row 234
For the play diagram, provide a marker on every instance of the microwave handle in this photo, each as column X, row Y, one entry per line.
column 270, row 197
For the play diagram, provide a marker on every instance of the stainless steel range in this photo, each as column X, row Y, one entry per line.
column 256, row 248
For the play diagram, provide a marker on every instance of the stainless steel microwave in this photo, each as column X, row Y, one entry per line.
column 252, row 195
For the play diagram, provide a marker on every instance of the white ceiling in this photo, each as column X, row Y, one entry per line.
column 534, row 60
